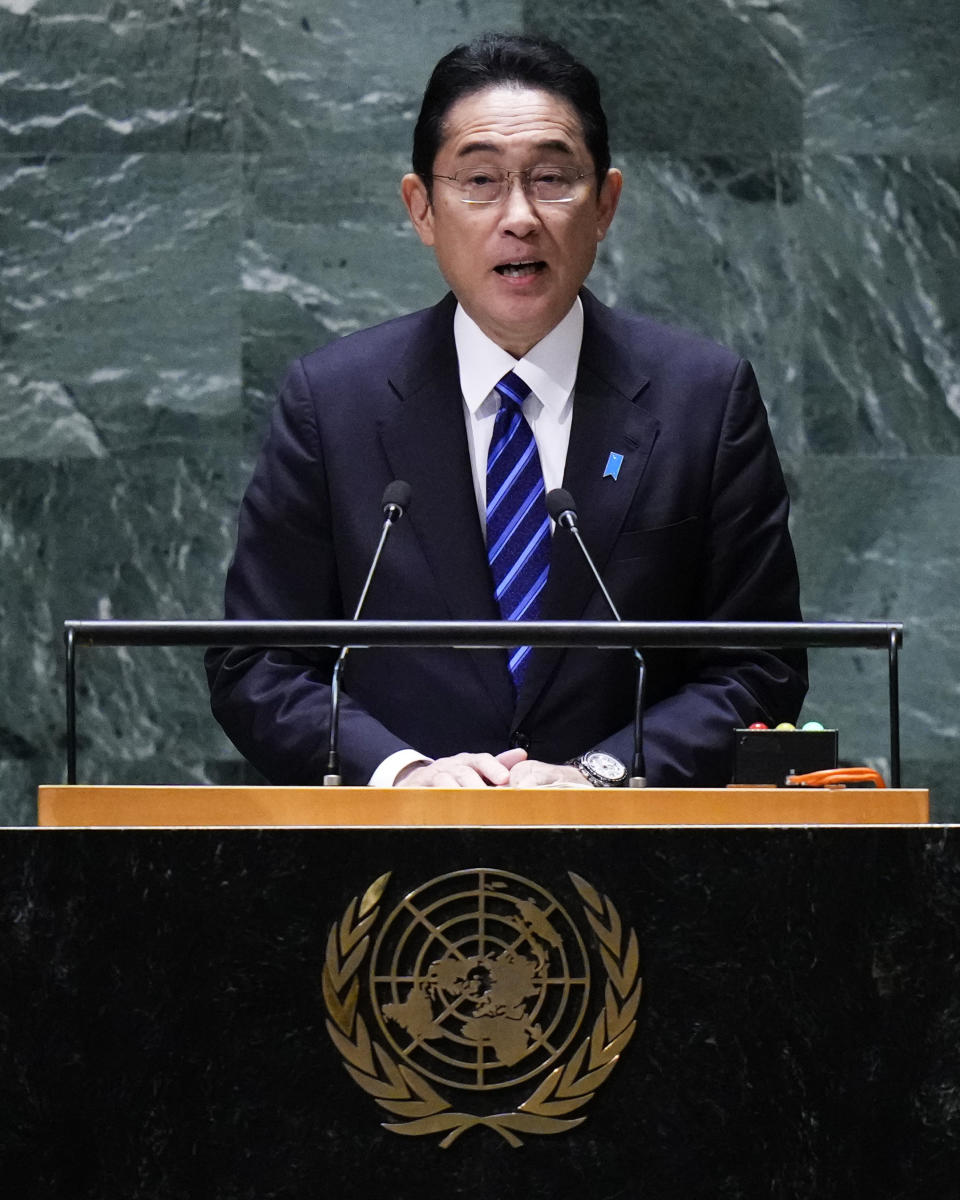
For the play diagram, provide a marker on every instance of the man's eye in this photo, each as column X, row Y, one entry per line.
column 479, row 179
column 548, row 175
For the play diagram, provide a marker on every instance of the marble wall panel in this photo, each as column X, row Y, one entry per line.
column 18, row 788
column 96, row 75
column 880, row 240
column 881, row 76
column 702, row 77
column 313, row 70
column 120, row 311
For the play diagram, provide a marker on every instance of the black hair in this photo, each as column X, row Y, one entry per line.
column 494, row 59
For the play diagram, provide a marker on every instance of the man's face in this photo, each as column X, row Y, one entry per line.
column 479, row 246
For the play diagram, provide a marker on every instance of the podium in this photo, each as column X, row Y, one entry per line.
column 752, row 1010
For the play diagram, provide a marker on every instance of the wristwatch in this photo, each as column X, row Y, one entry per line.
column 600, row 769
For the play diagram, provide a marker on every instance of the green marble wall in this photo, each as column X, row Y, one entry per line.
column 193, row 191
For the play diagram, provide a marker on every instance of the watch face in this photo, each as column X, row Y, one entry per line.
column 605, row 765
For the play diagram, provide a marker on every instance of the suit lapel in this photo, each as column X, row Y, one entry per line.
column 426, row 444
column 606, row 418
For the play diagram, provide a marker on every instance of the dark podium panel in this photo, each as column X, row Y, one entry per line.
column 163, row 1024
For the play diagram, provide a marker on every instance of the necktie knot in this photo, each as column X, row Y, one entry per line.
column 512, row 387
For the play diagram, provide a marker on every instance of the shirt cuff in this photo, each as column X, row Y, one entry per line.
column 386, row 774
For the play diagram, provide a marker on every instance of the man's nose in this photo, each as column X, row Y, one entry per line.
column 518, row 214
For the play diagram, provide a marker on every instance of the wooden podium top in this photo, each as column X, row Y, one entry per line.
column 118, row 805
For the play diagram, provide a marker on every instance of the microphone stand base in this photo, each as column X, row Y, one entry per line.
column 637, row 781
column 332, row 781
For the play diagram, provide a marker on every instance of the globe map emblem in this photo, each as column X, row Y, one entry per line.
column 479, row 979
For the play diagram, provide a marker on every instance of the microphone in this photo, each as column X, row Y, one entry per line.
column 394, row 503
column 562, row 509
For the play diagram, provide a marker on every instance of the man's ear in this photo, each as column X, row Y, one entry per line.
column 414, row 192
column 607, row 201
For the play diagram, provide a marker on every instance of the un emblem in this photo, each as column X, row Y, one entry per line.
column 479, row 981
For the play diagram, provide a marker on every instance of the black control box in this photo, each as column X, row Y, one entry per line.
column 770, row 755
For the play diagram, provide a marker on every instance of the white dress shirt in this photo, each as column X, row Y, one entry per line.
column 550, row 371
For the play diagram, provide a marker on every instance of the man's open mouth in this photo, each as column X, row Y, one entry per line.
column 518, row 269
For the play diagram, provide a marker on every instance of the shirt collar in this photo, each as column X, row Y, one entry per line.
column 549, row 368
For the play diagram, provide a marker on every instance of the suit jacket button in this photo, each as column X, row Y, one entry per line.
column 520, row 741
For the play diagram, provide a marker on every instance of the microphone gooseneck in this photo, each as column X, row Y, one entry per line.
column 563, row 510
column 394, row 503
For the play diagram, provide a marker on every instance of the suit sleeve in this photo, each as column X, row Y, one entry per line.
column 748, row 573
column 274, row 704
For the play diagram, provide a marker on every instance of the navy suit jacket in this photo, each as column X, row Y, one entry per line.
column 694, row 527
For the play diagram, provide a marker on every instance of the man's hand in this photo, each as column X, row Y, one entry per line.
column 531, row 773
column 463, row 770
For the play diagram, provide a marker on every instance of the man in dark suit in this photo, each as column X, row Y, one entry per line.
column 661, row 437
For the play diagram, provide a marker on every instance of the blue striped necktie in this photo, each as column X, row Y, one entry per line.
column 518, row 528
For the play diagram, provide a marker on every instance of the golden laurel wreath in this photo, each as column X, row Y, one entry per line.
column 405, row 1093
